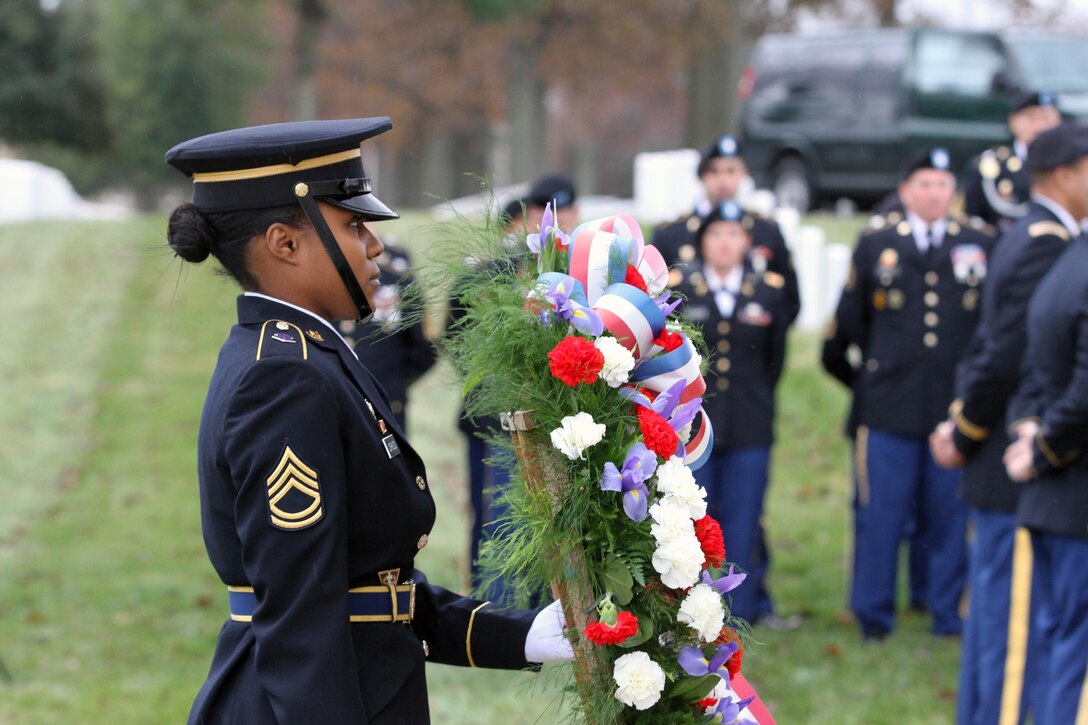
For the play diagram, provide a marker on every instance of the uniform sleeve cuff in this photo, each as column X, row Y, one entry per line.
column 966, row 428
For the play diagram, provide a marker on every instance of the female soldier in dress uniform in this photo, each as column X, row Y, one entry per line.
column 313, row 502
column 744, row 315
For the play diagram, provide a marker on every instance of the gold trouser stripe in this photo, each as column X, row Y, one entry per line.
column 468, row 634
column 1082, row 708
column 1019, row 619
column 861, row 464
column 261, row 172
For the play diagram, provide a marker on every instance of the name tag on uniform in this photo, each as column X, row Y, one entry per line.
column 391, row 448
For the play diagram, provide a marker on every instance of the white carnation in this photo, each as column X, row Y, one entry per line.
column 618, row 361
column 685, row 432
column 678, row 557
column 577, row 433
column 703, row 611
column 677, row 483
column 640, row 680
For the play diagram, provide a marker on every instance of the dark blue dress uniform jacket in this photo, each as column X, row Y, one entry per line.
column 286, row 390
column 996, row 186
column 769, row 253
column 396, row 355
column 989, row 373
column 747, row 351
column 1055, row 391
column 911, row 316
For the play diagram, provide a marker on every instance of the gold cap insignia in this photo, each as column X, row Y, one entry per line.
column 294, row 494
column 315, row 335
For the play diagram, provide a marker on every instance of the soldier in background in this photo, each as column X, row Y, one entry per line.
column 974, row 437
column 909, row 305
column 721, row 170
column 396, row 355
column 1049, row 460
column 743, row 315
column 997, row 185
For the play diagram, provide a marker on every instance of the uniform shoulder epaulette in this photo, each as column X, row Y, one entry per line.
column 279, row 338
column 774, row 279
column 887, row 224
column 1040, row 229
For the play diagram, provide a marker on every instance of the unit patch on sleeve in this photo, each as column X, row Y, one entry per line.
column 294, row 494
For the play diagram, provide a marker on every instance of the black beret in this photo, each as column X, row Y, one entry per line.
column 557, row 188
column 928, row 158
column 727, row 211
column 1063, row 145
column 513, row 208
column 1044, row 99
column 262, row 166
column 723, row 147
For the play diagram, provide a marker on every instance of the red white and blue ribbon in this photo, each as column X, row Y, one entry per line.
column 632, row 316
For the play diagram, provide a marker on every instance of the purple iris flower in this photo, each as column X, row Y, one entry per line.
column 697, row 665
column 728, row 709
column 638, row 466
column 665, row 305
column 667, row 404
column 585, row 319
column 537, row 242
column 727, row 583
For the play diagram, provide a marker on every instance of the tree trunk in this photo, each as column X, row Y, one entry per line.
column 527, row 113
column 885, row 10
column 311, row 16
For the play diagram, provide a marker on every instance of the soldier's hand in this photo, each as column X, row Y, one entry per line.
column 1019, row 459
column 943, row 448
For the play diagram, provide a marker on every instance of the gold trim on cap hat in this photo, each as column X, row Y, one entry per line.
column 263, row 171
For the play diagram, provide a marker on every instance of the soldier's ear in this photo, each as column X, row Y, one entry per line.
column 283, row 242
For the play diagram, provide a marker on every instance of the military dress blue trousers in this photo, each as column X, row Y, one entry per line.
column 989, row 586
column 486, row 483
column 1059, row 627
column 736, row 483
column 896, row 479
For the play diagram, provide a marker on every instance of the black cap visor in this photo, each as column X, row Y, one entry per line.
column 370, row 207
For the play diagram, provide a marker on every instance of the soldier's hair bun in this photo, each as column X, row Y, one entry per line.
column 190, row 234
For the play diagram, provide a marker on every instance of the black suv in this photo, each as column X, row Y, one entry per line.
column 835, row 114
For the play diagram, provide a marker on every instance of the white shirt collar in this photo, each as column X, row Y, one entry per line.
column 919, row 227
column 1059, row 211
column 730, row 283
column 317, row 317
column 1021, row 149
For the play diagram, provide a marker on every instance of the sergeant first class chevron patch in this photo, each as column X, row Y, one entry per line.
column 294, row 495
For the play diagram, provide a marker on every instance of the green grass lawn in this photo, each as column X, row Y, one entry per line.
column 109, row 609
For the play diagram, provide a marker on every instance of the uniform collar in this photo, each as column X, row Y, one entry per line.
column 919, row 227
column 1059, row 211
column 731, row 282
column 1020, row 149
column 303, row 310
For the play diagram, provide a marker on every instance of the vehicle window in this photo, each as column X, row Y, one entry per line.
column 957, row 64
column 1055, row 64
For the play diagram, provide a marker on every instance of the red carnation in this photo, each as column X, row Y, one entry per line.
column 635, row 279
column 705, row 703
column 669, row 340
column 733, row 664
column 709, row 533
column 625, row 628
column 575, row 360
column 657, row 434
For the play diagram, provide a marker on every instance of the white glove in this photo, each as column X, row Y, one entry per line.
column 546, row 641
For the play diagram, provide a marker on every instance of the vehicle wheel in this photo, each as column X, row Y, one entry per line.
column 791, row 182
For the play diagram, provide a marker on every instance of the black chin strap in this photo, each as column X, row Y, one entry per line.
column 347, row 276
